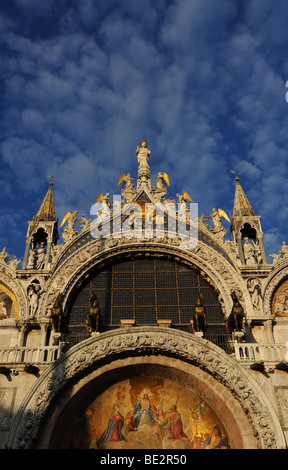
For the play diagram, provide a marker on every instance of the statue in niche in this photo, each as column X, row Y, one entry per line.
column 258, row 254
column 41, row 253
column 237, row 314
column 34, row 293
column 3, row 310
column 249, row 252
column 94, row 321
column 254, row 288
column 57, row 314
column 199, row 318
column 32, row 258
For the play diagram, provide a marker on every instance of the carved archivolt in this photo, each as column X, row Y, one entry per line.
column 14, row 290
column 213, row 267
column 90, row 354
column 276, row 277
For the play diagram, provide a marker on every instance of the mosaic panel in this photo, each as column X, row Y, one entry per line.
column 280, row 301
column 147, row 412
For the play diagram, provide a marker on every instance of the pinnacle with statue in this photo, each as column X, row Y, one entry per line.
column 140, row 193
column 39, row 256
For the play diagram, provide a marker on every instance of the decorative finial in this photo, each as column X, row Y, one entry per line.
column 236, row 177
column 51, row 177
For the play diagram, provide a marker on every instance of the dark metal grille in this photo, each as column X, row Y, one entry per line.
column 146, row 290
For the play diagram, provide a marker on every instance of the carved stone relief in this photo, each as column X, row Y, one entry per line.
column 255, row 288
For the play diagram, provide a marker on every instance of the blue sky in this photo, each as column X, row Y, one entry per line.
column 82, row 82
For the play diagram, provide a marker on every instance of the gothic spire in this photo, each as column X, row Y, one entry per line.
column 242, row 206
column 46, row 211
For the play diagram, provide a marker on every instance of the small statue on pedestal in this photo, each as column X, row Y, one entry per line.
column 94, row 321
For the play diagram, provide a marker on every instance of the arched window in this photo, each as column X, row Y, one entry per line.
column 248, row 231
column 146, row 291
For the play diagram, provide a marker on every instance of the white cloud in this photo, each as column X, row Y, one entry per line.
column 203, row 85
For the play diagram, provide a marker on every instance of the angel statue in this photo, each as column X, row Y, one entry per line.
column 218, row 229
column 129, row 190
column 182, row 198
column 69, row 231
column 104, row 212
column 183, row 212
column 162, row 181
column 128, row 180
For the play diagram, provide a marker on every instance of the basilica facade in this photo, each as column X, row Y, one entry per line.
column 147, row 326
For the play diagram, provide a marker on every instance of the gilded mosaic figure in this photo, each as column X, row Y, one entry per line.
column 113, row 432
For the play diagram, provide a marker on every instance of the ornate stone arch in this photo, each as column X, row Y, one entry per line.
column 213, row 267
column 276, row 277
column 155, row 344
column 252, row 223
column 39, row 226
column 15, row 290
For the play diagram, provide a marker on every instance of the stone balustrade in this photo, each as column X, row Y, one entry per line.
column 246, row 353
column 39, row 355
column 260, row 352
